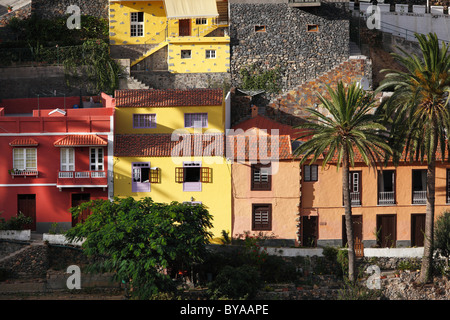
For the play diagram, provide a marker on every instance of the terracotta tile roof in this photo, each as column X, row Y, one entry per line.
column 81, row 141
column 268, row 124
column 168, row 98
column 24, row 142
column 161, row 145
column 259, row 147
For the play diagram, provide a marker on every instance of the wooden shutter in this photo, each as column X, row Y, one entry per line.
column 155, row 175
column 262, row 217
column 179, row 175
column 205, row 175
column 261, row 178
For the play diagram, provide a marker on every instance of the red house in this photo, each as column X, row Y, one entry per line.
column 55, row 153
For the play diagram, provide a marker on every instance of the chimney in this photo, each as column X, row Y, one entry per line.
column 254, row 111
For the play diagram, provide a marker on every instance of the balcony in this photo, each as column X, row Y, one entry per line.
column 82, row 179
column 355, row 198
column 386, row 197
column 419, row 197
column 24, row 173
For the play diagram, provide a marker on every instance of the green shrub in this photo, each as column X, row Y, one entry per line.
column 236, row 283
column 15, row 223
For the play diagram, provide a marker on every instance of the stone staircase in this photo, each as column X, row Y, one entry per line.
column 149, row 53
column 293, row 103
column 132, row 83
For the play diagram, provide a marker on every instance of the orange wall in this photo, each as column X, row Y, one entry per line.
column 284, row 198
column 324, row 198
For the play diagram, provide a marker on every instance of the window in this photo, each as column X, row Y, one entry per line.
column 96, row 159
column 25, row 158
column 192, row 175
column 386, row 187
column 195, row 120
column 419, row 186
column 201, row 21
column 312, row 28
column 141, row 121
column 355, row 187
column 137, row 24
column 210, row 54
column 260, row 28
column 67, row 159
column 310, row 172
column 186, row 54
column 261, row 178
column 143, row 175
column 261, row 217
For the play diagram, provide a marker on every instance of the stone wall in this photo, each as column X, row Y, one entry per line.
column 48, row 9
column 167, row 80
column 288, row 40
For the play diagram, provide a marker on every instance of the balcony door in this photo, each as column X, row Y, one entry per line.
column 96, row 159
column 419, row 186
column 386, row 187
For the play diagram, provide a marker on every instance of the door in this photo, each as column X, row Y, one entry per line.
column 67, row 159
column 26, row 204
column 184, row 27
column 417, row 230
column 310, row 231
column 77, row 199
column 357, row 229
column 386, row 230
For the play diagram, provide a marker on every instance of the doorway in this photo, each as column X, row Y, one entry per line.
column 26, row 204
column 357, row 229
column 417, row 229
column 310, row 231
column 386, row 230
column 184, row 27
column 77, row 199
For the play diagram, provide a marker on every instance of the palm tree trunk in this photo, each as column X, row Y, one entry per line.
column 426, row 269
column 348, row 217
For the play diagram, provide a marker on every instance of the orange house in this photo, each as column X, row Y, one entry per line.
column 265, row 180
column 388, row 203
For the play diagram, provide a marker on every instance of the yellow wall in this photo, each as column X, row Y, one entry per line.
column 323, row 198
column 198, row 62
column 168, row 119
column 216, row 195
column 155, row 22
column 284, row 197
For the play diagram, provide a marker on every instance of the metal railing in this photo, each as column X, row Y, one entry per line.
column 355, row 198
column 81, row 174
column 419, row 197
column 386, row 197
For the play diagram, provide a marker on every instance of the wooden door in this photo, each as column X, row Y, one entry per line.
column 310, row 231
column 26, row 203
column 184, row 27
column 387, row 230
column 357, row 229
column 417, row 229
column 77, row 199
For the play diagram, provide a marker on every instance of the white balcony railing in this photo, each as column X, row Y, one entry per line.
column 386, row 197
column 81, row 174
column 24, row 172
column 419, row 197
column 355, row 198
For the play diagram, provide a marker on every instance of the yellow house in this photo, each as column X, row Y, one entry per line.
column 180, row 36
column 159, row 154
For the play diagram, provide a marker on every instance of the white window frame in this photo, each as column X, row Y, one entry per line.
column 98, row 161
column 201, row 21
column 203, row 120
column 69, row 164
column 210, row 54
column 144, row 121
column 137, row 25
column 24, row 152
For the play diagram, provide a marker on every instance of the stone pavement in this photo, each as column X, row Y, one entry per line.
column 16, row 4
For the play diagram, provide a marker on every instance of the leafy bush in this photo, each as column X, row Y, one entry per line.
column 140, row 240
column 15, row 223
column 236, row 283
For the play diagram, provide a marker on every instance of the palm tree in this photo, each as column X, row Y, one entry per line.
column 349, row 128
column 418, row 111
